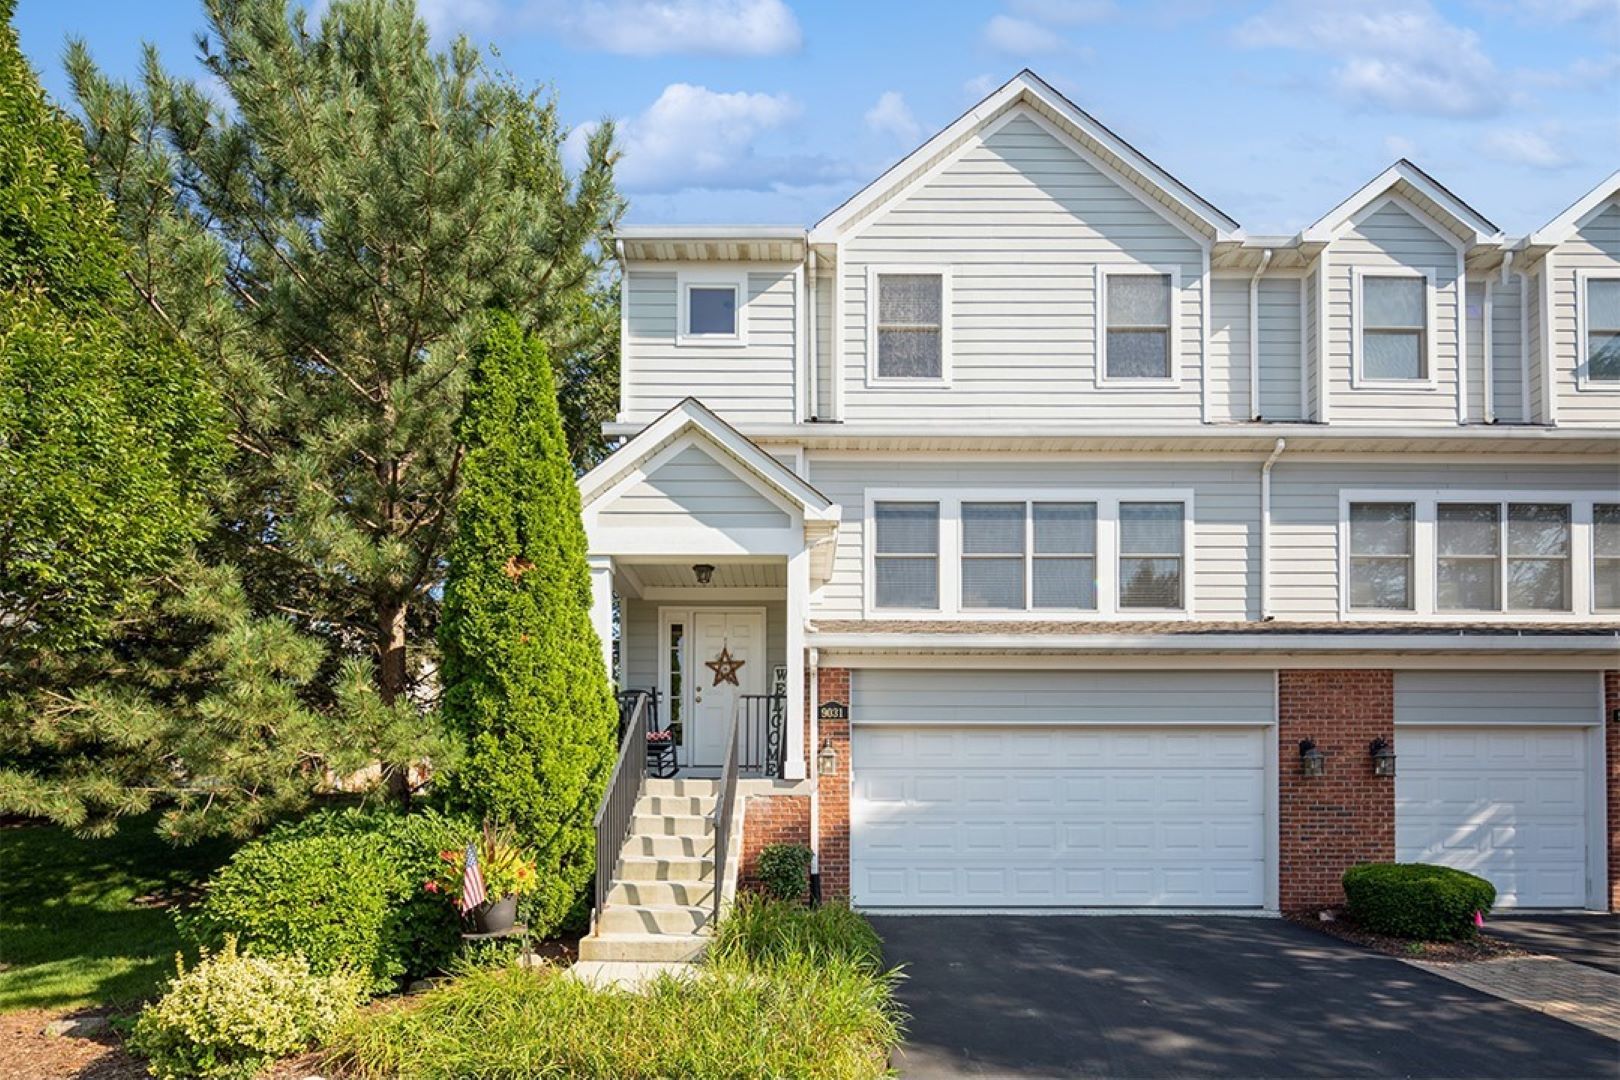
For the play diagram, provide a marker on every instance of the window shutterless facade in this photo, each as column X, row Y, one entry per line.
column 1045, row 554
column 1465, row 554
column 908, row 329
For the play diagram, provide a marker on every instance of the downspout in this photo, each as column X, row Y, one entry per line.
column 1265, row 530
column 815, row 778
column 815, row 356
column 1254, row 335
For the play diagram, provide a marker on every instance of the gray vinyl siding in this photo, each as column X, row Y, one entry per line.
column 639, row 645
column 1392, row 238
column 933, row 696
column 1595, row 246
column 1229, row 350
column 1507, row 359
column 1476, row 352
column 1022, row 221
column 1279, row 349
column 748, row 384
column 1313, row 359
column 1305, row 514
column 825, row 287
column 1226, row 500
column 1532, row 307
column 692, row 486
column 1496, row 697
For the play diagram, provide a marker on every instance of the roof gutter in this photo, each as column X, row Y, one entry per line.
column 1265, row 529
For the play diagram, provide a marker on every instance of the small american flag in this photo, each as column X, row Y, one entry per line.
column 472, row 881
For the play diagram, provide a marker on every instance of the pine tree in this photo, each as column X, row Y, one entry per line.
column 524, row 683
column 107, row 429
column 329, row 247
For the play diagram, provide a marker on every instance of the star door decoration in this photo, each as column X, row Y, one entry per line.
column 724, row 667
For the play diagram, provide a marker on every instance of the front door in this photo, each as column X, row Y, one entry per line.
column 740, row 636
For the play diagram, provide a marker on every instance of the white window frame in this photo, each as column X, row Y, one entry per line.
column 872, row 555
column 873, row 379
column 686, row 281
column 1425, row 555
column 1592, row 556
column 1583, row 379
column 1107, row 554
column 1100, row 342
column 1358, row 378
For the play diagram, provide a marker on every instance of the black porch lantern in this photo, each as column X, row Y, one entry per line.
column 1312, row 762
column 703, row 572
column 1383, row 757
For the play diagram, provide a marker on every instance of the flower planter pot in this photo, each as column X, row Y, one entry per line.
column 495, row 916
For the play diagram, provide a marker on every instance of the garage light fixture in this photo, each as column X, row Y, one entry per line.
column 703, row 572
column 827, row 760
column 1383, row 757
column 1312, row 762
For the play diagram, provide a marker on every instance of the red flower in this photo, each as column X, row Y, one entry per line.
column 431, row 886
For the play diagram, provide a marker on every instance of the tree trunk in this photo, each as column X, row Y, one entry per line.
column 393, row 682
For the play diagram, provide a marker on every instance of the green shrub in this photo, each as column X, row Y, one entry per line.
column 231, row 1015
column 784, row 871
column 343, row 890
column 764, row 931
column 798, row 1018
column 1416, row 900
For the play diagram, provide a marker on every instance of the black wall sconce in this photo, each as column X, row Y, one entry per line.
column 703, row 572
column 1312, row 762
column 1383, row 757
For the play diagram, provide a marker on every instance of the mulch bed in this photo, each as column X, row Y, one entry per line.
column 30, row 1054
column 1481, row 946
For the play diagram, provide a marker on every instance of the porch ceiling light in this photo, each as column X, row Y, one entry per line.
column 1312, row 762
column 1383, row 757
column 703, row 572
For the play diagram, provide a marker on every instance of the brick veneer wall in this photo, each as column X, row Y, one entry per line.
column 833, row 791
column 1346, row 816
column 1611, row 748
column 771, row 819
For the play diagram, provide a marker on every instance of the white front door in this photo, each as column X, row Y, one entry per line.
column 741, row 636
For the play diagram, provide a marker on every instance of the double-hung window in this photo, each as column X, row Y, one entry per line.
column 1138, row 313
column 993, row 555
column 1393, row 345
column 1606, row 556
column 1600, row 317
column 1538, row 561
column 1034, row 555
column 1381, row 550
column 908, row 340
column 1064, row 571
column 905, row 555
column 1468, row 547
column 1150, row 550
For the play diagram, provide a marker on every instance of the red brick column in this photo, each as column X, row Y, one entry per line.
column 771, row 819
column 1346, row 816
column 1611, row 751
column 833, row 791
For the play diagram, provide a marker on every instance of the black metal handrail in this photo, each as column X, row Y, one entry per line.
column 725, row 807
column 763, row 732
column 618, row 807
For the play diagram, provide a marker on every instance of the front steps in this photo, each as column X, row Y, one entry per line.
column 661, row 903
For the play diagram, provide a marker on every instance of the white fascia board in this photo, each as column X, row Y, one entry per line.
column 691, row 415
column 1562, row 227
column 1242, row 643
column 1025, row 84
column 709, row 232
column 1481, row 230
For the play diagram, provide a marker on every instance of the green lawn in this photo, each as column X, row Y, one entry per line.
column 74, row 927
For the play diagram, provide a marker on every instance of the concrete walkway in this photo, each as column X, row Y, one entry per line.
column 631, row 975
column 1580, row 994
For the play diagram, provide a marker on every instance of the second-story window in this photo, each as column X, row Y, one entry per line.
column 711, row 311
column 1468, row 547
column 910, row 326
column 1606, row 556
column 993, row 555
column 1603, row 330
column 1064, row 574
column 1151, row 539
column 1538, row 557
column 1137, row 345
column 1394, row 325
column 905, row 555
column 712, row 308
column 1381, row 556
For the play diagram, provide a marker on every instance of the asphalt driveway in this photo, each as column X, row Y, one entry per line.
column 1129, row 996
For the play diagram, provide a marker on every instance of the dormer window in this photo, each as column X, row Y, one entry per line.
column 1600, row 344
column 908, row 341
column 711, row 308
column 1392, row 341
column 1136, row 338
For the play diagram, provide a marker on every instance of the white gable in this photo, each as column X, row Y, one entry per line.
column 693, row 487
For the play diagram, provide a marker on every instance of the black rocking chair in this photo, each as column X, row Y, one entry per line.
column 660, row 740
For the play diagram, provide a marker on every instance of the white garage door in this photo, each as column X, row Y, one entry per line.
column 956, row 816
column 1506, row 803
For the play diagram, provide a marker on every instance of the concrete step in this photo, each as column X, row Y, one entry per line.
column 693, row 825
column 653, row 919
column 653, row 948
column 685, row 805
column 681, row 868
column 668, row 847
column 661, row 893
column 702, row 788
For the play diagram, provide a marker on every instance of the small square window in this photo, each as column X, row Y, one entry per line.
column 1137, row 345
column 711, row 311
column 1394, row 324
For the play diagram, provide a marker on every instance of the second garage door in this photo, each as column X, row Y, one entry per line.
column 1059, row 815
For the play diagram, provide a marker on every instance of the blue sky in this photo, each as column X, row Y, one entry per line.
column 774, row 111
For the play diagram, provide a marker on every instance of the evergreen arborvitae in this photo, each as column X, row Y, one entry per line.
column 524, row 682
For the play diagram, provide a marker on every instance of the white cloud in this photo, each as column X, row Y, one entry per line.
column 1522, row 146
column 1400, row 55
column 445, row 17
column 1399, row 146
column 980, row 86
column 654, row 27
column 1555, row 11
column 1064, row 12
column 694, row 137
column 1006, row 34
column 892, row 116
